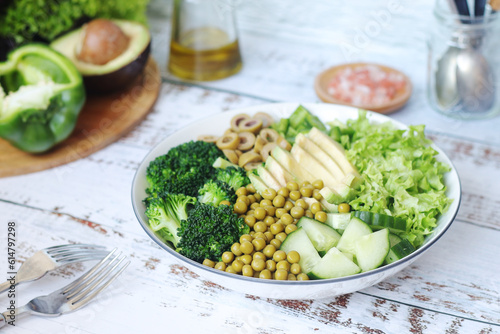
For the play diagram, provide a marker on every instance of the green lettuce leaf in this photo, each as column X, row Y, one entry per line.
column 35, row 20
column 401, row 175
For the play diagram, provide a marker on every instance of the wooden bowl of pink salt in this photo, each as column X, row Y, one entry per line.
column 368, row 86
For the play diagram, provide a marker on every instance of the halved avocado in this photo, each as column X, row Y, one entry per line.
column 118, row 72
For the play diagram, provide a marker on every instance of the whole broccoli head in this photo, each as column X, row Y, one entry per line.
column 236, row 177
column 183, row 170
column 214, row 191
column 166, row 213
column 209, row 231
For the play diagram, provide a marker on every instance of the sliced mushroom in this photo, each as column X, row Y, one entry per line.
column 248, row 157
column 208, row 138
column 236, row 121
column 266, row 150
column 251, row 125
column 266, row 119
column 283, row 143
column 247, row 140
column 231, row 156
column 259, row 143
column 270, row 135
column 229, row 141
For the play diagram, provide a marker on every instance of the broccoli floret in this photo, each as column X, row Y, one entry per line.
column 236, row 177
column 215, row 191
column 166, row 213
column 209, row 231
column 183, row 170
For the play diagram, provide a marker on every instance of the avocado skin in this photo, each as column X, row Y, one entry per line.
column 119, row 79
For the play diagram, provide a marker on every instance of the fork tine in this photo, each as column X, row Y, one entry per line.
column 82, row 257
column 88, row 273
column 103, row 271
column 77, row 251
column 89, row 286
column 71, row 247
column 86, row 299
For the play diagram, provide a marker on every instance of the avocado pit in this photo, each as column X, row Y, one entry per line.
column 102, row 42
column 109, row 54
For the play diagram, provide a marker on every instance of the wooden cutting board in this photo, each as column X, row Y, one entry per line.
column 103, row 120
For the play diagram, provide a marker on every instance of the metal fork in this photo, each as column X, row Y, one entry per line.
column 52, row 258
column 74, row 295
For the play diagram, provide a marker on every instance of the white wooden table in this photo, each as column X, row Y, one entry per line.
column 453, row 288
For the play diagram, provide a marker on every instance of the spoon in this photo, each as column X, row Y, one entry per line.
column 475, row 81
column 446, row 78
column 464, row 78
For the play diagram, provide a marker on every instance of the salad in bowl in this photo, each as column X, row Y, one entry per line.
column 296, row 201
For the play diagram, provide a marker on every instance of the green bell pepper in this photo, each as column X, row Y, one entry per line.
column 41, row 95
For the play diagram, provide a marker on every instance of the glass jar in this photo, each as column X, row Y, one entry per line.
column 464, row 63
column 204, row 43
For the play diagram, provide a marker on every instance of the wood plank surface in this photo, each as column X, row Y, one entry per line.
column 438, row 288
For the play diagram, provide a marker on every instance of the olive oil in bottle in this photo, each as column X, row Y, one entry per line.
column 205, row 53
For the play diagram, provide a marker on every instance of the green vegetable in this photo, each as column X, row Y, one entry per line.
column 31, row 20
column 379, row 221
column 41, row 95
column 300, row 242
column 235, row 177
column 371, row 249
column 322, row 236
column 215, row 191
column 399, row 251
column 183, row 169
column 165, row 215
column 334, row 264
column 183, row 176
column 209, row 231
column 402, row 177
column 223, row 185
column 300, row 121
column 339, row 131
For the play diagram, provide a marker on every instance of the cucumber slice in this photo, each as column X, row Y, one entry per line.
column 379, row 221
column 399, row 251
column 322, row 236
column 350, row 256
column 371, row 249
column 334, row 264
column 338, row 221
column 354, row 230
column 394, row 239
column 299, row 241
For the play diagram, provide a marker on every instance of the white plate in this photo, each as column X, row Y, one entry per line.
column 312, row 289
